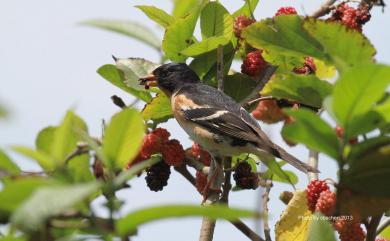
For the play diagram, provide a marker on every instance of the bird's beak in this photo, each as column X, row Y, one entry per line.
column 148, row 81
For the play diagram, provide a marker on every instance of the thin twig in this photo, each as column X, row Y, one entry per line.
column 247, row 231
column 81, row 148
column 227, row 183
column 185, row 173
column 262, row 80
column 372, row 227
column 313, row 162
column 265, row 196
column 382, row 226
column 241, row 226
column 324, row 9
column 260, row 99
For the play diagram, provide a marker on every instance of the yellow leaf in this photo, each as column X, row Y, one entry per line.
column 324, row 71
column 295, row 221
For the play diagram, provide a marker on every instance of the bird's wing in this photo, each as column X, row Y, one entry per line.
column 222, row 121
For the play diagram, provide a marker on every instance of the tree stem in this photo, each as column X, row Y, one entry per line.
column 313, row 162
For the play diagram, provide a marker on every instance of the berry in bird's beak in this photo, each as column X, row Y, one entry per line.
column 148, row 81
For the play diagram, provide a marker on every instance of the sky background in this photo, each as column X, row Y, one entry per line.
column 48, row 64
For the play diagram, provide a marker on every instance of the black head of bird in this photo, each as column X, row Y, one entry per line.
column 169, row 77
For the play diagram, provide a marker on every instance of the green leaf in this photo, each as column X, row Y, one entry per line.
column 15, row 192
column 205, row 65
column 178, row 37
column 248, row 8
column 367, row 146
column 205, row 46
column 312, row 131
column 321, row 229
column 183, row 8
column 129, row 28
column 157, row 15
column 238, row 86
column 7, row 165
column 384, row 110
column 12, row 238
column 283, row 35
column 44, row 160
column 116, row 77
column 306, row 89
column 357, row 90
column 365, row 123
column 370, row 173
column 349, row 48
column 68, row 134
column 139, row 217
column 277, row 174
column 158, row 109
column 49, row 201
column 275, row 170
column 215, row 20
column 123, row 138
column 65, row 137
column 284, row 63
column 44, row 140
column 133, row 69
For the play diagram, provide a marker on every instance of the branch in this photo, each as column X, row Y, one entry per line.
column 240, row 225
column 81, row 148
column 372, row 227
column 324, row 9
column 185, row 173
column 246, row 231
column 213, row 186
column 227, row 183
column 261, row 80
column 260, row 99
column 382, row 226
column 265, row 197
column 313, row 162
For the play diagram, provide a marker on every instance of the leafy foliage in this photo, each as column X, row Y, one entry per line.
column 131, row 29
column 344, row 82
column 123, row 137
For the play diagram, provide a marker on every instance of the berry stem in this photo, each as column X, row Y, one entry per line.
column 185, row 173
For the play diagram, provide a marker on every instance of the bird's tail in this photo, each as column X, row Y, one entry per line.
column 279, row 152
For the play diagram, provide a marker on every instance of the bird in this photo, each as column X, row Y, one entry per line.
column 213, row 119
